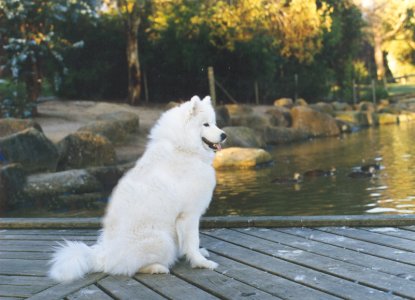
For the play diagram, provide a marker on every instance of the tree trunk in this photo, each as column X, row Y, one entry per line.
column 134, row 72
column 33, row 81
column 378, row 54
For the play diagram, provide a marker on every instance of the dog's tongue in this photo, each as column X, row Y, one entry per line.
column 218, row 146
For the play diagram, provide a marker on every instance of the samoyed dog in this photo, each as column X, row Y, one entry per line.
column 153, row 214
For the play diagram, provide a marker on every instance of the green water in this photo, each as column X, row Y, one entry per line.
column 250, row 192
column 391, row 191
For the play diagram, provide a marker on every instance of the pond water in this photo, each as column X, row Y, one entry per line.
column 250, row 192
column 391, row 191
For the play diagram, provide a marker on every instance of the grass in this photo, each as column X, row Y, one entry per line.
column 400, row 88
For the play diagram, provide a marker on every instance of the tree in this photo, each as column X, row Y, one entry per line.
column 385, row 22
column 131, row 13
column 29, row 37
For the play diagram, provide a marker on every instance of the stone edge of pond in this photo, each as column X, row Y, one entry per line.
column 226, row 222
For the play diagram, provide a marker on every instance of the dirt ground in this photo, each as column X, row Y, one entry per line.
column 59, row 118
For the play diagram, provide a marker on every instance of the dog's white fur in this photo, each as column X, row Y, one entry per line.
column 153, row 215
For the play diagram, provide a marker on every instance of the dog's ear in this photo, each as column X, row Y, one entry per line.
column 207, row 100
column 194, row 105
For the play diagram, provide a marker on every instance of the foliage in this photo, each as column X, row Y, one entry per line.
column 28, row 36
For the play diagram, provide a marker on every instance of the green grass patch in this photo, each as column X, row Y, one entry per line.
column 400, row 88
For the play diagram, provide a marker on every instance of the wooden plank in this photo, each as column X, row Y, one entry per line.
column 172, row 287
column 91, row 292
column 373, row 237
column 26, row 280
column 323, row 266
column 62, row 290
column 19, row 291
column 122, row 287
column 58, row 232
column 336, row 252
column 224, row 222
column 25, row 248
column 25, row 255
column 220, row 285
column 23, row 267
column 297, row 273
column 41, row 237
column 393, row 231
column 336, row 267
column 10, row 298
column 275, row 285
column 353, row 244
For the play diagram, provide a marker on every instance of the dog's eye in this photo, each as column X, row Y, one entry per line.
column 206, row 124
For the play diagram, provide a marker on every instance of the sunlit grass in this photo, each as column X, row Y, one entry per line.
column 400, row 88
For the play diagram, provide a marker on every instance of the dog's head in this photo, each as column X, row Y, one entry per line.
column 202, row 116
column 190, row 126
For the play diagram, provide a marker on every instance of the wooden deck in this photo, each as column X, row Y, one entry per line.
column 255, row 263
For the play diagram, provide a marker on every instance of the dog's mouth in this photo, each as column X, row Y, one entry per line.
column 213, row 146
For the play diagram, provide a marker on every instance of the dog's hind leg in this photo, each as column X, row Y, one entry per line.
column 154, row 269
column 187, row 228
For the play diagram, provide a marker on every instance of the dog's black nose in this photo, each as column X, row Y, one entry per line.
column 223, row 136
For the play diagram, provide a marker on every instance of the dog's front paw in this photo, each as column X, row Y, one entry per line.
column 205, row 264
column 204, row 252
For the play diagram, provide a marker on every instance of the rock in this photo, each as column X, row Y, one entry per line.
column 300, row 102
column 281, row 135
column 366, row 106
column 284, row 102
column 254, row 121
column 323, row 107
column 314, row 122
column 32, row 149
column 341, row 106
column 222, row 116
column 238, row 109
column 85, row 149
column 241, row 158
column 115, row 126
column 279, row 116
column 50, row 185
column 387, row 119
column 239, row 136
column 358, row 118
column 127, row 120
column 10, row 126
column 406, row 116
column 12, row 181
column 172, row 104
column 109, row 176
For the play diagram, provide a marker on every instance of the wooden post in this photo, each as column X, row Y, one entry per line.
column 295, row 86
column 354, row 92
column 256, row 92
column 212, row 91
column 373, row 92
column 145, row 86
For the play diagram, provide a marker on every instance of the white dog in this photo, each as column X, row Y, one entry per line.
column 154, row 211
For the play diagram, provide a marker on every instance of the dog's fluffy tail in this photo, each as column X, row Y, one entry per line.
column 72, row 260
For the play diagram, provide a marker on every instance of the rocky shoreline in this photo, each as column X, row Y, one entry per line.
column 75, row 152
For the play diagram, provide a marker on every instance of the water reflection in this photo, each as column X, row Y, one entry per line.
column 250, row 192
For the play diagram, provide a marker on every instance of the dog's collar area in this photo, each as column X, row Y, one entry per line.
column 213, row 146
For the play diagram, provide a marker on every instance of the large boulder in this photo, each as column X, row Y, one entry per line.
column 279, row 116
column 114, row 126
column 222, row 116
column 314, row 122
column 385, row 118
column 12, row 181
column 127, row 120
column 239, row 136
column 341, row 106
column 281, row 135
column 48, row 186
column 357, row 118
column 241, row 158
column 109, row 176
column 254, row 121
column 10, row 126
column 323, row 107
column 284, row 102
column 85, row 149
column 32, row 149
